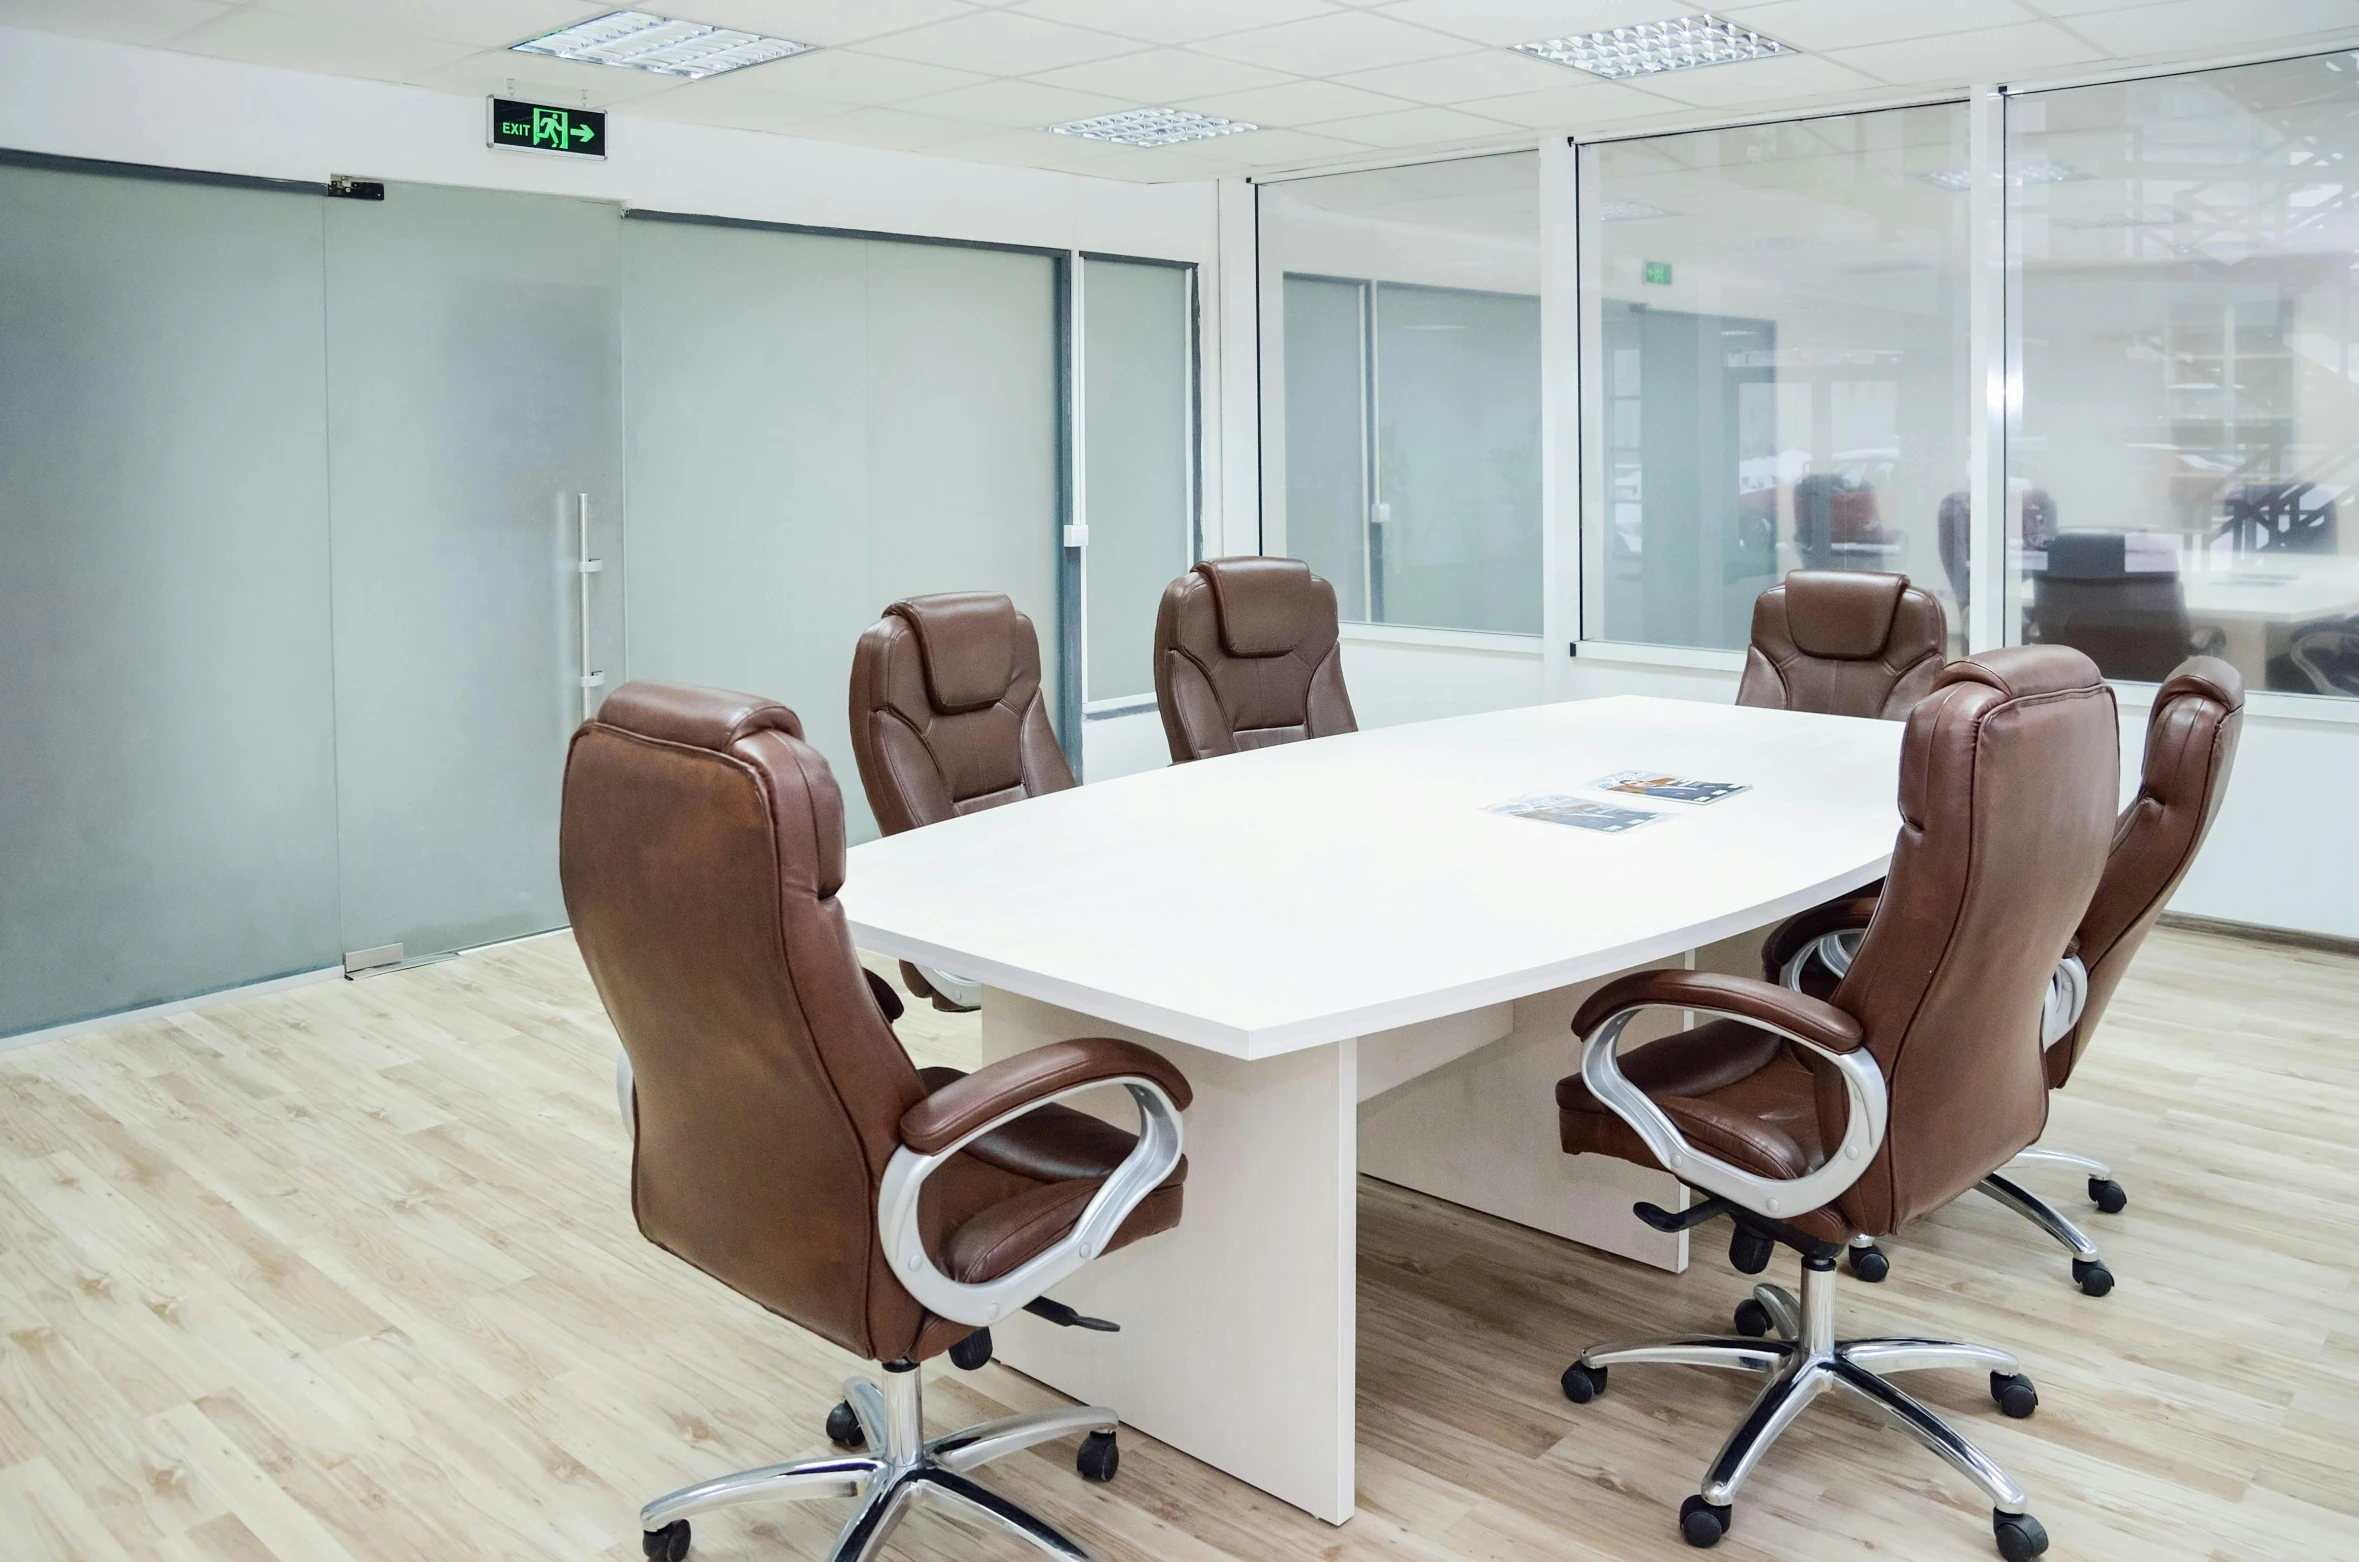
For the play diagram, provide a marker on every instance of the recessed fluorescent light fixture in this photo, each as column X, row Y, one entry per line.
column 2045, row 172
column 1151, row 127
column 1953, row 180
column 1649, row 48
column 1630, row 211
column 638, row 41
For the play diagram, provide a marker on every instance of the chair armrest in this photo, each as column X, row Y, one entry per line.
column 1813, row 932
column 1813, row 1021
column 962, row 1111
column 1808, row 1022
column 994, row 1091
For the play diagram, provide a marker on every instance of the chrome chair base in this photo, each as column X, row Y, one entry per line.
column 2088, row 1269
column 1802, row 1359
column 899, row 1471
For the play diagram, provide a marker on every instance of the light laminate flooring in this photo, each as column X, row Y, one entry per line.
column 347, row 1272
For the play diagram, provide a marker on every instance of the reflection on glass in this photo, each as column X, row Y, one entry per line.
column 1774, row 366
column 2185, row 347
column 1138, row 330
column 1403, row 395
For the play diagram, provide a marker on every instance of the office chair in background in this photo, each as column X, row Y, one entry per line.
column 2132, row 624
column 783, row 1143
column 2191, row 737
column 948, row 718
column 1808, row 1121
column 1246, row 656
column 1836, row 525
column 1844, row 643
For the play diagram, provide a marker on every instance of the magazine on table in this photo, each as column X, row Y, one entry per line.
column 1580, row 813
column 1669, row 789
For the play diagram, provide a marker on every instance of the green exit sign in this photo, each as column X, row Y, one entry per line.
column 1659, row 272
column 537, row 127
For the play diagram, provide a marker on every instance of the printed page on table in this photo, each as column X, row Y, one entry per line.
column 1554, row 808
column 1669, row 789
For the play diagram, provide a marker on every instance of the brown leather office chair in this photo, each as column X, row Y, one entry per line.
column 948, row 717
column 1812, row 1120
column 1246, row 656
column 1844, row 643
column 782, row 1141
column 2191, row 737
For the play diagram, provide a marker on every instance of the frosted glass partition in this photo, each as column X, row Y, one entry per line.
column 167, row 737
column 2186, row 355
column 817, row 426
column 1774, row 366
column 1139, row 463
column 474, row 391
column 1401, row 397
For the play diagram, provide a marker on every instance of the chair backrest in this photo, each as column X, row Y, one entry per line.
column 947, row 711
column 2132, row 623
column 1246, row 656
column 2190, row 750
column 1844, row 643
column 2008, row 775
column 700, row 847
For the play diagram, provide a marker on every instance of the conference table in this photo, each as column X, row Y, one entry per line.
column 1361, row 970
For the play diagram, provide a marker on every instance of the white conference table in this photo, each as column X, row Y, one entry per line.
column 1359, row 969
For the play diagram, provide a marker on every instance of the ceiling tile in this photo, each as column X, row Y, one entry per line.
column 1413, row 127
column 1823, row 25
column 539, row 79
column 310, row 43
column 1173, row 21
column 1162, row 76
column 825, row 22
column 1035, row 149
column 1021, row 105
column 485, row 23
column 1294, row 103
column 1595, row 102
column 1001, row 43
column 1765, row 84
column 1486, row 73
column 895, row 129
column 1957, row 59
column 1506, row 22
column 2212, row 24
column 127, row 21
column 854, row 76
column 753, row 111
column 1331, row 45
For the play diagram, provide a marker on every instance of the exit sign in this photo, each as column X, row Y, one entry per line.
column 1659, row 272
column 536, row 127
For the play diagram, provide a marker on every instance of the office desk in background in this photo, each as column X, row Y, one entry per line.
column 1359, row 969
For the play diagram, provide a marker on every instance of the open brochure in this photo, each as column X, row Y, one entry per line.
column 1669, row 789
column 1577, row 812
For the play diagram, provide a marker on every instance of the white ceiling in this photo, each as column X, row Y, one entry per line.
column 1332, row 81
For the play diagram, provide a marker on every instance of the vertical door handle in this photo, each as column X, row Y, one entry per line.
column 584, row 567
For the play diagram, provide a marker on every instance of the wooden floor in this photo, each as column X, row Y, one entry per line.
column 346, row 1272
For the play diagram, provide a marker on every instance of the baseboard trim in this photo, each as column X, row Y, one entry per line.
column 172, row 1006
column 2258, row 933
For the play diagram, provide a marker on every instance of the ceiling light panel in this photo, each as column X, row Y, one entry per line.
column 1151, row 127
column 1650, row 48
column 639, row 41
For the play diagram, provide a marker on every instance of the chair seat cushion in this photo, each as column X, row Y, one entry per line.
column 1734, row 1091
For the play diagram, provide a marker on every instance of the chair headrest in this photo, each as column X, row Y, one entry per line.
column 2019, row 671
column 1266, row 606
column 1844, row 615
column 700, row 718
column 2207, row 676
column 967, row 641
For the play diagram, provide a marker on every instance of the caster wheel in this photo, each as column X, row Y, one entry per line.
column 973, row 1353
column 1583, row 1384
column 669, row 1544
column 1098, row 1458
column 1753, row 1320
column 1869, row 1263
column 1701, row 1524
column 2020, row 1536
column 2107, row 1195
column 843, row 1428
column 2012, row 1392
column 2092, row 1276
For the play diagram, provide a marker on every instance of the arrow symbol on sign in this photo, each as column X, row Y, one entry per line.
column 584, row 133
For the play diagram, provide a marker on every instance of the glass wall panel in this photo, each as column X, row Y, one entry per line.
column 1774, row 367
column 474, row 368
column 818, row 426
column 1401, row 404
column 1139, row 417
column 2185, row 339
column 167, row 732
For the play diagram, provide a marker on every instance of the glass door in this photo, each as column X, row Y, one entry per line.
column 474, row 418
